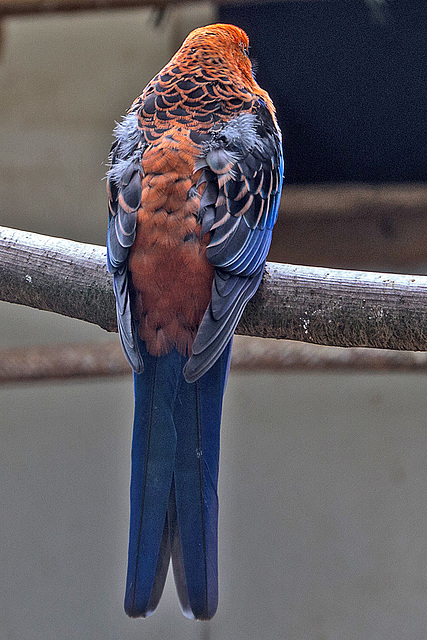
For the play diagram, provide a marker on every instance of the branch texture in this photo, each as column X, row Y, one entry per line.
column 310, row 304
column 66, row 277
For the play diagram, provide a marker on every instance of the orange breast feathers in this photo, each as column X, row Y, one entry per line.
column 171, row 277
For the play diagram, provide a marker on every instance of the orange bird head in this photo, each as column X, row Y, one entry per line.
column 221, row 47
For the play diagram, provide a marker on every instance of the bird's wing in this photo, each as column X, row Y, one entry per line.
column 242, row 164
column 124, row 196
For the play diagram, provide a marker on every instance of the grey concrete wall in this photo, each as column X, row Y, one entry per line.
column 323, row 511
column 323, row 477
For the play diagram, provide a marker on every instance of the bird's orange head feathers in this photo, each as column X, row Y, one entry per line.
column 221, row 46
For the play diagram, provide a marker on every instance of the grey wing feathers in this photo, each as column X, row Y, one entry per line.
column 242, row 166
column 124, row 191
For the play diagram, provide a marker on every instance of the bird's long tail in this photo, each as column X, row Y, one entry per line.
column 174, row 502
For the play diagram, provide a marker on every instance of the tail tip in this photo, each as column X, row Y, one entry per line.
column 135, row 609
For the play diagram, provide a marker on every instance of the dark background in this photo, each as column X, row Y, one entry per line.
column 349, row 82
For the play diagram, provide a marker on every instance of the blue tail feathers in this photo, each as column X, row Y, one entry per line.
column 174, row 502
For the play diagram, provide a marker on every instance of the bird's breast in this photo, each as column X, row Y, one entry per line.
column 171, row 277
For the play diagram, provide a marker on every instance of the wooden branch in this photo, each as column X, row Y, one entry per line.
column 106, row 360
column 25, row 7
column 317, row 305
column 66, row 277
column 346, row 226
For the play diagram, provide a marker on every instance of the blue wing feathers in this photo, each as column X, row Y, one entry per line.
column 124, row 190
column 239, row 207
column 214, row 334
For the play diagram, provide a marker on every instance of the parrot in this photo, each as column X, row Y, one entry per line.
column 194, row 183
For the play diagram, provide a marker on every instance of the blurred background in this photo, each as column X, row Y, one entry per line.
column 323, row 521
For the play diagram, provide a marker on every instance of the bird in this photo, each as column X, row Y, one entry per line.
column 194, row 183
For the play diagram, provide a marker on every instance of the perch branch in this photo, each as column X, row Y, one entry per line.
column 310, row 304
